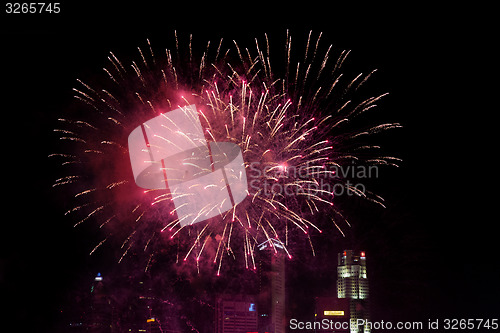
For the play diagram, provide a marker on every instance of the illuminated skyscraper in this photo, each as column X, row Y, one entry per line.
column 272, row 286
column 352, row 283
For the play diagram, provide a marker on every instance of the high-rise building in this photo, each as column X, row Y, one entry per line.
column 236, row 314
column 352, row 284
column 272, row 286
column 100, row 317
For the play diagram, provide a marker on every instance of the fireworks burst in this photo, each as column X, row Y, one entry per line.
column 292, row 125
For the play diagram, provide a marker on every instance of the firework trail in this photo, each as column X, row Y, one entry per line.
column 293, row 126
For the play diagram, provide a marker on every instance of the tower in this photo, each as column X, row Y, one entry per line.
column 272, row 286
column 352, row 283
column 101, row 308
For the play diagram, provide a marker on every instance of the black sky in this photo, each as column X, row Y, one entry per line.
column 433, row 248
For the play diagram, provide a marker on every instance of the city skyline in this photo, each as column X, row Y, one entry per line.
column 149, row 308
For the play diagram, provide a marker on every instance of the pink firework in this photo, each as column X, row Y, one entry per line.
column 293, row 126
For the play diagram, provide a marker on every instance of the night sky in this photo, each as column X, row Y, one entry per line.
column 431, row 253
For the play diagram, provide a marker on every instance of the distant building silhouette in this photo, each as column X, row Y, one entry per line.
column 100, row 316
column 236, row 314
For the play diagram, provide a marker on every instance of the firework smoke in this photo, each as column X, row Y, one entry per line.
column 292, row 124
